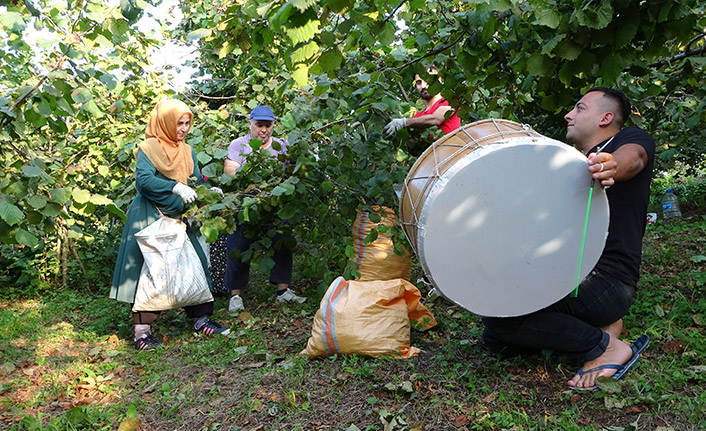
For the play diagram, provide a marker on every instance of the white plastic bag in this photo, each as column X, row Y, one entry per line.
column 172, row 275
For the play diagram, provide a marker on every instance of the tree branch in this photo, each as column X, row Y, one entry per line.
column 431, row 53
column 330, row 124
column 404, row 93
column 681, row 55
column 394, row 11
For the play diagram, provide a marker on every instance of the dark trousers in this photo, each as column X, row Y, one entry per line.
column 570, row 326
column 238, row 272
column 148, row 317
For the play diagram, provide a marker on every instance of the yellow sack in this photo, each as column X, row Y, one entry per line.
column 368, row 318
column 377, row 260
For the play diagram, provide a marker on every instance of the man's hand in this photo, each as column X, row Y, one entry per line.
column 621, row 165
column 186, row 193
column 393, row 126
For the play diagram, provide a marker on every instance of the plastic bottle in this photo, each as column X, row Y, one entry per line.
column 670, row 205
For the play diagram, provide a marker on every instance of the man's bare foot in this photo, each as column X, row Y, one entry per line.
column 617, row 352
column 615, row 328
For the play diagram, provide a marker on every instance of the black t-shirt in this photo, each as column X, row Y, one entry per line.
column 628, row 202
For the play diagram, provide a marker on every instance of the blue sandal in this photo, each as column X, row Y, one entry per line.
column 637, row 347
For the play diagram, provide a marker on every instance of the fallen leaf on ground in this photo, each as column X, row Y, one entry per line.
column 490, row 398
column 672, row 346
column 461, row 421
column 636, row 409
column 129, row 424
column 245, row 317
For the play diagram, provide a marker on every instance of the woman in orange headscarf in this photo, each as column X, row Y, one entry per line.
column 165, row 172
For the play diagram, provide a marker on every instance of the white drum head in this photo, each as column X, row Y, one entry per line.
column 500, row 233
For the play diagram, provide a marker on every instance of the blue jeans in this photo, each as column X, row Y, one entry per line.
column 238, row 272
column 570, row 326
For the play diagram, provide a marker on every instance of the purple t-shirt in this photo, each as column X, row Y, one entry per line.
column 239, row 149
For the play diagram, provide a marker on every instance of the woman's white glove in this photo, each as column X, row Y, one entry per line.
column 217, row 190
column 186, row 193
column 393, row 126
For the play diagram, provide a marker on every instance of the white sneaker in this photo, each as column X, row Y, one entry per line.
column 236, row 304
column 289, row 296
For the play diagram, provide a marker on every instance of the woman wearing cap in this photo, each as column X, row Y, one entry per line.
column 165, row 167
column 261, row 123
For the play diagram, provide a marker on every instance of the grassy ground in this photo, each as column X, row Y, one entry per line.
column 68, row 364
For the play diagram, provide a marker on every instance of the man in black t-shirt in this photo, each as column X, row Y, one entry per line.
column 588, row 326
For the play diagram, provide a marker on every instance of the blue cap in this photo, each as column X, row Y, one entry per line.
column 262, row 113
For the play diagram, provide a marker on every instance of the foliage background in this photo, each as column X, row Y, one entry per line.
column 78, row 88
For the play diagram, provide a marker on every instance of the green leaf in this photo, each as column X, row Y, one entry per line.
column 113, row 209
column 92, row 108
column 81, row 95
column 266, row 264
column 203, row 158
column 549, row 45
column 549, row 17
column 567, row 50
column 611, row 67
column 10, row 213
column 31, row 171
column 539, row 65
column 97, row 199
column 81, row 196
column 698, row 258
column 304, row 32
column 51, row 210
column 595, row 17
column 34, row 217
column 327, row 186
column 109, row 81
column 43, row 108
column 625, row 33
column 304, row 52
column 387, row 35
column 340, row 6
column 61, row 195
column 119, row 27
column 26, row 238
column 210, row 233
column 103, row 41
column 301, row 75
column 303, row 5
column 565, row 75
column 372, row 236
column 130, row 10
column 609, row 384
column 198, row 34
column 287, row 212
column 288, row 121
column 12, row 22
column 330, row 60
column 283, row 189
column 37, row 201
column 210, row 170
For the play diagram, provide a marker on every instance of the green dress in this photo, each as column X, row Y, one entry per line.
column 153, row 190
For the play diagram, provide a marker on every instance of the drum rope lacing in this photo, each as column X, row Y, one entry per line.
column 474, row 144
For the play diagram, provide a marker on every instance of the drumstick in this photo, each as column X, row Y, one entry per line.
column 575, row 293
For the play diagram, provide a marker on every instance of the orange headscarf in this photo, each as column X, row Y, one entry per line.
column 167, row 153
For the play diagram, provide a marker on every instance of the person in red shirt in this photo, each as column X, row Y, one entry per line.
column 436, row 113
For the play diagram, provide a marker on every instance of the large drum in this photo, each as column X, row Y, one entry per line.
column 495, row 212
